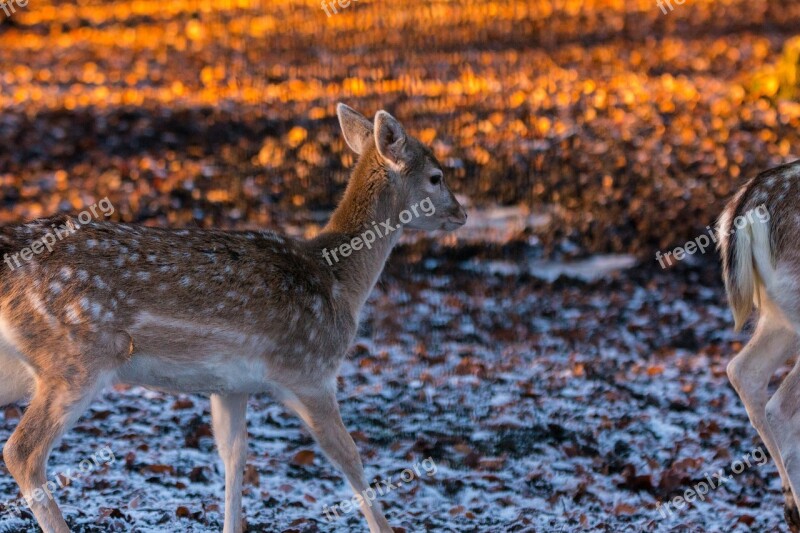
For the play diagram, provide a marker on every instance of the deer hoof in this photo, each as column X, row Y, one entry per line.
column 792, row 517
column 790, row 511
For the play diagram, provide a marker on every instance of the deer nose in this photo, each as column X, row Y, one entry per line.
column 460, row 216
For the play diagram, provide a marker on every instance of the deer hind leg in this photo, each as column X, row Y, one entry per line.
column 320, row 412
column 228, row 417
column 783, row 415
column 55, row 406
column 772, row 344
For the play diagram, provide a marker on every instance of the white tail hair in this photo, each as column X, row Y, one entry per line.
column 747, row 259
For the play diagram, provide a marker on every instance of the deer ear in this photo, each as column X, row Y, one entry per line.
column 356, row 128
column 390, row 138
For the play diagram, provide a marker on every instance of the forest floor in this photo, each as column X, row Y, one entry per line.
column 545, row 402
column 564, row 405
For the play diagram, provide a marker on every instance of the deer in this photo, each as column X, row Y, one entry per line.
column 761, row 264
column 226, row 314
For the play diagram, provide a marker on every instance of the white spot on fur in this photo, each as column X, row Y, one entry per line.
column 38, row 305
column 73, row 314
column 317, row 306
column 97, row 310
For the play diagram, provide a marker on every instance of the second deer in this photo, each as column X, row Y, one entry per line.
column 761, row 268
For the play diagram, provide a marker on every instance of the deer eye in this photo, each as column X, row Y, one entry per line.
column 435, row 179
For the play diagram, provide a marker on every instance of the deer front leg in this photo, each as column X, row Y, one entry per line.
column 229, row 421
column 320, row 411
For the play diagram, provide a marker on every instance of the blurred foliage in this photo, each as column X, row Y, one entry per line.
column 789, row 69
column 779, row 80
column 628, row 126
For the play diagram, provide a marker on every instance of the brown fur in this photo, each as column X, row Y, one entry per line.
column 208, row 311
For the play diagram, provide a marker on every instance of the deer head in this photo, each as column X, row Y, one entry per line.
column 415, row 177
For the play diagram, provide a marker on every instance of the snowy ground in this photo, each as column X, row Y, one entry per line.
column 545, row 406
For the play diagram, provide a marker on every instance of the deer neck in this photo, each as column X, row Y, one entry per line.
column 368, row 202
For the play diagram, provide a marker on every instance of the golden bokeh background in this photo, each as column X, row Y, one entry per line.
column 627, row 125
